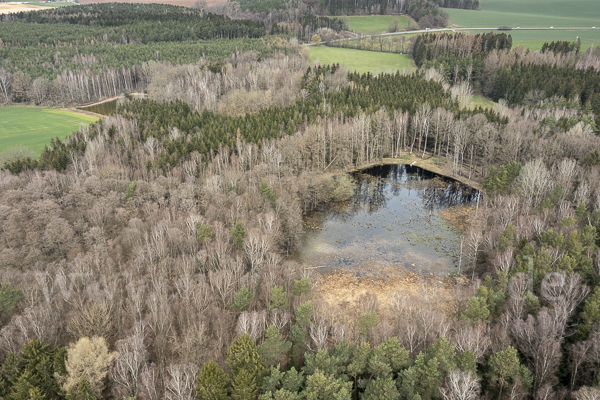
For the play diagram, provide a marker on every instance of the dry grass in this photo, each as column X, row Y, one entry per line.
column 14, row 8
column 344, row 289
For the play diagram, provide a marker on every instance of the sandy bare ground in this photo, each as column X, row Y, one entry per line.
column 13, row 8
column 184, row 3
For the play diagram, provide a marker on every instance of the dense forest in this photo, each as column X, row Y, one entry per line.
column 487, row 63
column 152, row 255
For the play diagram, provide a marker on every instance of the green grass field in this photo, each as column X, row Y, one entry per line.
column 33, row 127
column 481, row 101
column 534, row 40
column 375, row 23
column 362, row 61
column 535, row 13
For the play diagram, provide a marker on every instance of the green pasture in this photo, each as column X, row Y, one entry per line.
column 535, row 13
column 362, row 61
column 534, row 40
column 33, row 127
column 530, row 13
column 370, row 24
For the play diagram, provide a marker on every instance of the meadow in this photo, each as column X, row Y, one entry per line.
column 478, row 100
column 33, row 127
column 362, row 61
column 535, row 13
column 373, row 24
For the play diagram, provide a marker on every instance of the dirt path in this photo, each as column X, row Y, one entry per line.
column 101, row 101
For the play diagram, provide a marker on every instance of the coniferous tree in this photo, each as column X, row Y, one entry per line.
column 212, row 383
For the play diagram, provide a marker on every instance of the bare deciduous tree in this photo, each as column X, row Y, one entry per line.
column 180, row 384
column 128, row 365
column 460, row 385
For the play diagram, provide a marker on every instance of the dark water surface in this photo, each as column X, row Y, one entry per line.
column 105, row 108
column 390, row 225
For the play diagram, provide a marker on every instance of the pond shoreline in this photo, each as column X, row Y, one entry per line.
column 427, row 164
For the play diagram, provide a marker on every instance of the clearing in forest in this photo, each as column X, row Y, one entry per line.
column 33, row 127
column 362, row 61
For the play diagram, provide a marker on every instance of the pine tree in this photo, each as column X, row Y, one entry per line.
column 274, row 349
column 504, row 368
column 322, row 386
column 590, row 315
column 247, row 366
column 278, row 299
column 212, row 382
column 381, row 388
column 238, row 233
column 242, row 298
column 9, row 298
column 245, row 385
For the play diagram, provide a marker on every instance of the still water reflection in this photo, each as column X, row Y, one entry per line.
column 390, row 225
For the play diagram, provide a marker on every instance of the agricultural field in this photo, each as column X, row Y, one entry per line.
column 371, row 24
column 7, row 8
column 361, row 60
column 534, row 40
column 182, row 3
column 535, row 13
column 33, row 127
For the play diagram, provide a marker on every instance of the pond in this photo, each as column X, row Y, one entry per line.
column 391, row 225
column 108, row 107
column 104, row 108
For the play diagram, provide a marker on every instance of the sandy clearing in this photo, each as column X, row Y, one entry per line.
column 13, row 8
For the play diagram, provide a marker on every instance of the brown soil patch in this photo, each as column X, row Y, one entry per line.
column 13, row 8
column 184, row 3
column 344, row 289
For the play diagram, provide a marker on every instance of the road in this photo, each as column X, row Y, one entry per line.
column 458, row 29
